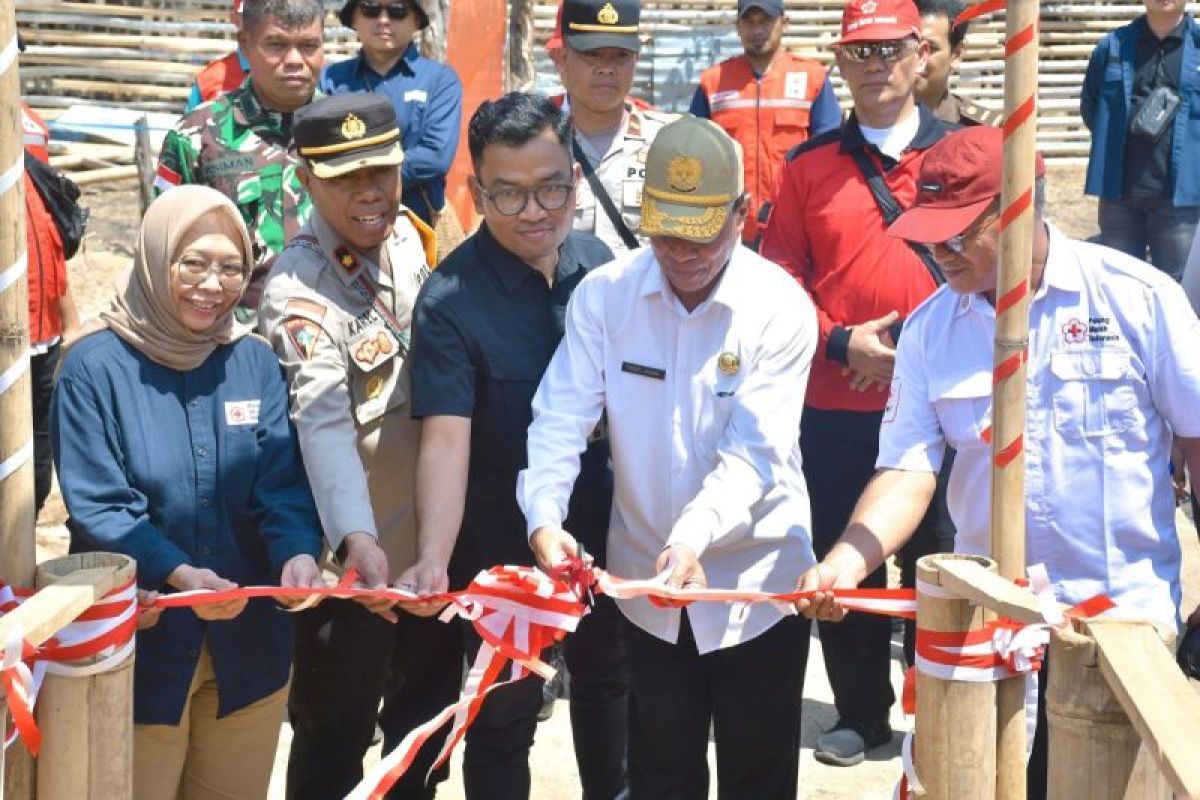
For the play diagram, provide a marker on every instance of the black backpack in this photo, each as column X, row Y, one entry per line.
column 61, row 196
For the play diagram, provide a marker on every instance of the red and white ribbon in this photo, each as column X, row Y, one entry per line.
column 105, row 630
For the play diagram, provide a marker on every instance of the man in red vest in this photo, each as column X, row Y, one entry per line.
column 767, row 99
column 223, row 74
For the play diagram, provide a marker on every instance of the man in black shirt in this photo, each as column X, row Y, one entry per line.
column 1137, row 95
column 486, row 324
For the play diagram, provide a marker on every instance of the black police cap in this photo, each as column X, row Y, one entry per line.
column 345, row 132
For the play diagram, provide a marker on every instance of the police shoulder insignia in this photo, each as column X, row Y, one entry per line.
column 348, row 260
column 303, row 334
column 981, row 115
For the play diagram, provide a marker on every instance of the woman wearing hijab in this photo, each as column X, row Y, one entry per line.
column 173, row 446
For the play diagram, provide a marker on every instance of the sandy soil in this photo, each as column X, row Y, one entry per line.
column 108, row 248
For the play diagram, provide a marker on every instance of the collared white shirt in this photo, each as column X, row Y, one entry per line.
column 701, row 456
column 1114, row 368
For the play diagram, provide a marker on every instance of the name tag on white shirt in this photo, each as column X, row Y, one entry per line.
column 242, row 412
column 416, row 96
column 657, row 373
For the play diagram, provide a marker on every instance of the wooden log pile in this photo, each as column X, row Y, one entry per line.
column 143, row 53
column 1069, row 32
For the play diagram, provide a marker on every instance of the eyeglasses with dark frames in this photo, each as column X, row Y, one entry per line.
column 510, row 202
column 891, row 51
column 394, row 11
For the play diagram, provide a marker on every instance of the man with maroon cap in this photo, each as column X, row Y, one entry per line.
column 836, row 195
column 1113, row 372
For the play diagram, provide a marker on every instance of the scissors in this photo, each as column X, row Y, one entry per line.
column 581, row 554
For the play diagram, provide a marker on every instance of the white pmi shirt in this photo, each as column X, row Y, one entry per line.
column 1114, row 367
column 701, row 456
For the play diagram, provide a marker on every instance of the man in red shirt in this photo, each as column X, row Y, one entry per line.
column 52, row 312
column 222, row 74
column 767, row 99
column 827, row 228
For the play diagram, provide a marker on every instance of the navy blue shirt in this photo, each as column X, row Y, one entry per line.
column 428, row 98
column 485, row 327
column 199, row 468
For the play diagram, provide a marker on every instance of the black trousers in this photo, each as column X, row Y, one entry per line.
column 41, row 386
column 347, row 659
column 839, row 450
column 496, row 758
column 749, row 694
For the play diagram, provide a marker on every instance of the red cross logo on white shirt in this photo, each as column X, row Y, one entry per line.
column 1074, row 331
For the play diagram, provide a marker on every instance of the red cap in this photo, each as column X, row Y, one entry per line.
column 960, row 177
column 555, row 42
column 879, row 21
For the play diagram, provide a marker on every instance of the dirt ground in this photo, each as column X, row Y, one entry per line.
column 106, row 254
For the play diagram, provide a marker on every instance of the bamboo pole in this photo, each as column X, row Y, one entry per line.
column 1094, row 748
column 16, row 423
column 86, row 723
column 1012, row 341
column 956, row 724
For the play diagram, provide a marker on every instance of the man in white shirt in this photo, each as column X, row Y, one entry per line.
column 1113, row 374
column 698, row 351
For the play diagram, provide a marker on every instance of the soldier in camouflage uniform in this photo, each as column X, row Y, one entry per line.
column 239, row 143
column 946, row 51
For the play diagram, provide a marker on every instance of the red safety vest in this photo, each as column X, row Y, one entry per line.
column 767, row 116
column 220, row 76
column 47, row 265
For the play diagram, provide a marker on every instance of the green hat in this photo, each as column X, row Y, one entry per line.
column 346, row 132
column 693, row 178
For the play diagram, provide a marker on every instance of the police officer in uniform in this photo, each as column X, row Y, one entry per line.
column 946, row 42
column 611, row 135
column 337, row 308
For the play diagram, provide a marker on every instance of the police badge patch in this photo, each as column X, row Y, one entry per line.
column 303, row 335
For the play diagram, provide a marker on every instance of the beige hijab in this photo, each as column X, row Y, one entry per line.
column 143, row 313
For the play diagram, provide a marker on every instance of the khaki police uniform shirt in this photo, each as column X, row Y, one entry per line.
column 622, row 171
column 965, row 112
column 349, row 379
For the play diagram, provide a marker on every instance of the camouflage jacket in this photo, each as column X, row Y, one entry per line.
column 241, row 149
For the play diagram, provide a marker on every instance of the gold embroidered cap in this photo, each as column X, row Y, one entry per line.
column 346, row 132
column 592, row 24
column 693, row 178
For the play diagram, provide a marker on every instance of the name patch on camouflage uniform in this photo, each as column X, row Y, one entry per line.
column 226, row 165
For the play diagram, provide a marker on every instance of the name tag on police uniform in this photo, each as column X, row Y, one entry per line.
column 631, row 193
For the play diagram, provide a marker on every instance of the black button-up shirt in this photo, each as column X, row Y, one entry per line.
column 485, row 326
column 1156, row 62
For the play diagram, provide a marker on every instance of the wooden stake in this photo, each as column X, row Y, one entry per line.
column 1012, row 342
column 16, row 405
column 143, row 157
column 87, row 723
column 1093, row 745
column 956, row 723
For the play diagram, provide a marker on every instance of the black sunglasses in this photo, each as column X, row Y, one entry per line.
column 394, row 11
